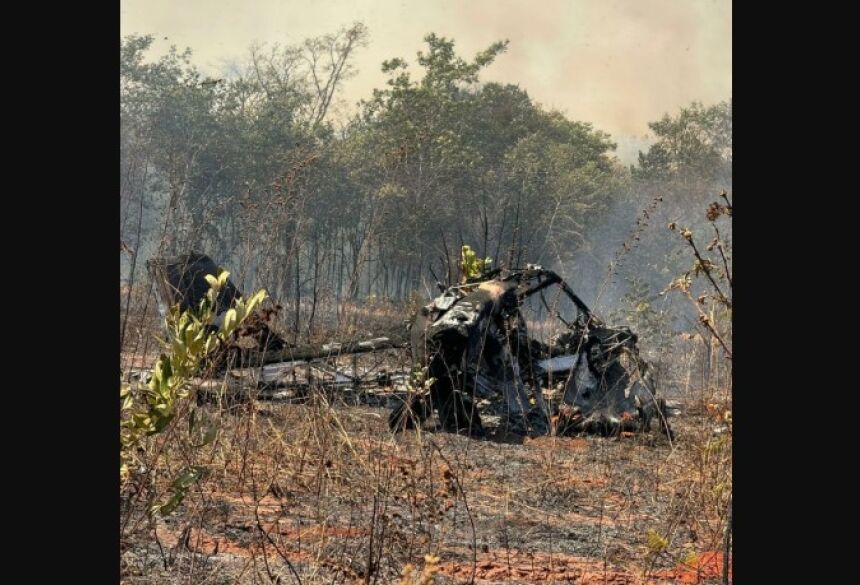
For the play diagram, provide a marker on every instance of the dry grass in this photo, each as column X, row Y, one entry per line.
column 322, row 492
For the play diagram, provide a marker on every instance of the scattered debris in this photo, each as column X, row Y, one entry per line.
column 472, row 353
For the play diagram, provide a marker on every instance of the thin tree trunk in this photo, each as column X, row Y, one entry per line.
column 298, row 300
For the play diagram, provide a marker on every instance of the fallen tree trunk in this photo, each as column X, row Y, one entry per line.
column 251, row 358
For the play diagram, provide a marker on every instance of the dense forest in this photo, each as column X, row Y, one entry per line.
column 269, row 170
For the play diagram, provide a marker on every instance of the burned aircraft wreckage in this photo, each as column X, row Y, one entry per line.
column 471, row 354
column 473, row 342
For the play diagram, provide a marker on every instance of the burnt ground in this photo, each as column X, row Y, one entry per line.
column 326, row 494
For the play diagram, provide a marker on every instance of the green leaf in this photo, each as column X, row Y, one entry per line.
column 230, row 319
column 160, row 424
column 188, row 476
column 241, row 312
column 169, row 506
column 209, row 436
column 656, row 542
column 256, row 299
column 142, row 421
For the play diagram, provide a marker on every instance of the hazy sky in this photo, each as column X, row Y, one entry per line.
column 616, row 63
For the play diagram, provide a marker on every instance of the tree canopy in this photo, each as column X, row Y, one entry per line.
column 251, row 167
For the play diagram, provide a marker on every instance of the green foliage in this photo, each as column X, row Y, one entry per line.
column 442, row 155
column 695, row 145
column 470, row 265
column 690, row 158
column 191, row 336
column 652, row 324
column 201, row 142
column 436, row 155
column 179, row 488
column 655, row 542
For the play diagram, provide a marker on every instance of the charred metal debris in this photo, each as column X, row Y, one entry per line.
column 473, row 358
column 472, row 344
